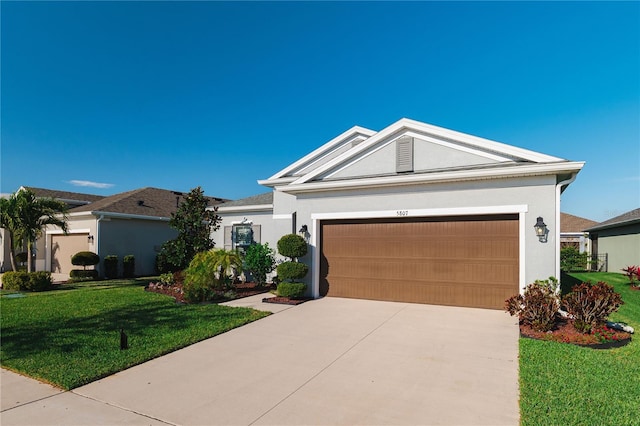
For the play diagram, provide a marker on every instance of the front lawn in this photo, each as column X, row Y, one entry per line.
column 562, row 384
column 71, row 336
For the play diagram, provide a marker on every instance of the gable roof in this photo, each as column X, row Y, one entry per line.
column 71, row 198
column 324, row 168
column 629, row 218
column 570, row 223
column 145, row 202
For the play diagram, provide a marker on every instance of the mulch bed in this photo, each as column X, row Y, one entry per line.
column 240, row 289
column 284, row 300
column 564, row 332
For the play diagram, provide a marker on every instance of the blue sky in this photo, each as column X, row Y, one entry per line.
column 221, row 94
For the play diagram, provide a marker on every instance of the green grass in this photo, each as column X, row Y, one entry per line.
column 70, row 337
column 563, row 384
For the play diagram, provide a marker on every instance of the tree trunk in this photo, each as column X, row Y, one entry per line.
column 12, row 252
column 29, row 250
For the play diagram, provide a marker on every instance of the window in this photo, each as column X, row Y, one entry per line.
column 240, row 236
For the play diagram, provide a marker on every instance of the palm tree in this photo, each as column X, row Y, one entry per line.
column 227, row 263
column 9, row 223
column 32, row 214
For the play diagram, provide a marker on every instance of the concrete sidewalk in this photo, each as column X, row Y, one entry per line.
column 329, row 361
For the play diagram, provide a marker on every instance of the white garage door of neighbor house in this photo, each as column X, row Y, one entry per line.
column 63, row 247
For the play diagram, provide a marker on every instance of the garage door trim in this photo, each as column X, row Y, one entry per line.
column 316, row 218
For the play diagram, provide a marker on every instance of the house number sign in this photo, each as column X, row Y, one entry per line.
column 402, row 212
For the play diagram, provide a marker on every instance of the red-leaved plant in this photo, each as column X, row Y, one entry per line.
column 538, row 305
column 591, row 304
column 633, row 273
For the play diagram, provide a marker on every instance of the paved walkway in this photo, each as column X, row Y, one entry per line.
column 328, row 362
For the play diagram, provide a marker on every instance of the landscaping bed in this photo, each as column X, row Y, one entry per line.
column 238, row 291
column 565, row 332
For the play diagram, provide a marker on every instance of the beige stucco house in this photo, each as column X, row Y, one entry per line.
column 414, row 213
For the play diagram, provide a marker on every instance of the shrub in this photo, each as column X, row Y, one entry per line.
column 172, row 257
column 538, row 306
column 572, row 260
column 39, row 281
column 27, row 281
column 129, row 266
column 289, row 271
column 591, row 304
column 84, row 259
column 15, row 280
column 77, row 275
column 167, row 279
column 633, row 273
column 292, row 290
column 111, row 266
column 260, row 260
column 195, row 292
column 292, row 246
column 22, row 257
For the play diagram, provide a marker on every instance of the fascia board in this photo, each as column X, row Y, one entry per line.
column 440, row 177
column 432, row 131
column 352, row 132
column 613, row 225
column 242, row 209
column 274, row 182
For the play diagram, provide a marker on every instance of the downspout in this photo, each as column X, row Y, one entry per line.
column 559, row 187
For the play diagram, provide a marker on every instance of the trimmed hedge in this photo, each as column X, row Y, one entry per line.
column 288, row 271
column 83, row 275
column 292, row 246
column 292, row 290
column 129, row 266
column 111, row 266
column 85, row 258
column 27, row 281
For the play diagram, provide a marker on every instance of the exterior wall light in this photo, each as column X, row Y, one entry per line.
column 541, row 229
column 90, row 239
column 304, row 232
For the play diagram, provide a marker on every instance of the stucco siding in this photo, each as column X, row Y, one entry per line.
column 141, row 238
column 536, row 193
column 622, row 245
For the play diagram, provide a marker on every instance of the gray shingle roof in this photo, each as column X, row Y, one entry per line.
column 254, row 200
column 144, row 202
column 73, row 197
column 627, row 218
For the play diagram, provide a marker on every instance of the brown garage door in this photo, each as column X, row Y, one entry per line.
column 459, row 261
column 63, row 247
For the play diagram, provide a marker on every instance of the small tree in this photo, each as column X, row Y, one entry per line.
column 292, row 246
column 260, row 260
column 84, row 259
column 194, row 224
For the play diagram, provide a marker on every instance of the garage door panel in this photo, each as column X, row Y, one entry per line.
column 449, row 261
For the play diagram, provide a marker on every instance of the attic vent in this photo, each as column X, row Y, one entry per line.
column 141, row 202
column 404, row 154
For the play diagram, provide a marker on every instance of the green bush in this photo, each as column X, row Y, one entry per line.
column 572, row 260
column 129, row 266
column 85, row 258
column 259, row 260
column 27, row 281
column 289, row 271
column 292, row 290
column 538, row 306
column 591, row 305
column 172, row 257
column 13, row 280
column 111, row 266
column 292, row 246
column 22, row 257
column 39, row 281
column 77, row 275
column 200, row 277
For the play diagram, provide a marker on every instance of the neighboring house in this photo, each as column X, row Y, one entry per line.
column 71, row 199
column 413, row 213
column 573, row 234
column 130, row 223
column 619, row 239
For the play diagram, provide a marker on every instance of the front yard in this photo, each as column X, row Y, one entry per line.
column 562, row 384
column 70, row 337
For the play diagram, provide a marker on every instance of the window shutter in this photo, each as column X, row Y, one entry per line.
column 404, row 154
column 228, row 243
column 256, row 233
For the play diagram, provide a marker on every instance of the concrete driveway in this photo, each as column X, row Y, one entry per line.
column 327, row 362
